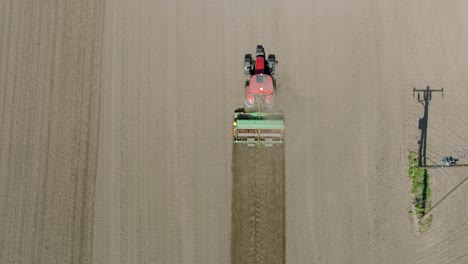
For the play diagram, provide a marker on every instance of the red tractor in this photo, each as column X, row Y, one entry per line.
column 260, row 85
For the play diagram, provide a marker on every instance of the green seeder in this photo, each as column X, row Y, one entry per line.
column 258, row 128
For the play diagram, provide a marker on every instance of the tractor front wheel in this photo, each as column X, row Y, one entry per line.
column 248, row 64
column 271, row 64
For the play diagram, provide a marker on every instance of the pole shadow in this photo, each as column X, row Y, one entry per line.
column 422, row 125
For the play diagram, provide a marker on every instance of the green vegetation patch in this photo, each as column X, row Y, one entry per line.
column 421, row 191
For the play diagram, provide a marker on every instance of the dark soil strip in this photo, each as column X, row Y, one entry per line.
column 258, row 205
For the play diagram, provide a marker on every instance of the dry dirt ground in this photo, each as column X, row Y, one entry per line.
column 50, row 79
column 171, row 76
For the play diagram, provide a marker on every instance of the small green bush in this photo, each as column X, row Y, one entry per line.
column 417, row 175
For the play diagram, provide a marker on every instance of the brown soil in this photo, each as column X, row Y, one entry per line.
column 50, row 79
column 258, row 205
column 170, row 78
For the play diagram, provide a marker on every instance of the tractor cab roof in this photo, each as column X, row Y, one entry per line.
column 261, row 84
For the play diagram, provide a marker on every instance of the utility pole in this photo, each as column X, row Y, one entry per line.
column 427, row 96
